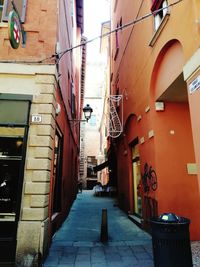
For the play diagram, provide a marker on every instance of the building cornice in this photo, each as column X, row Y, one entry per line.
column 26, row 69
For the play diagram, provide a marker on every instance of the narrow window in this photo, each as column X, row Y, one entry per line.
column 116, row 43
column 158, row 16
column 120, row 23
column 72, row 100
column 58, row 150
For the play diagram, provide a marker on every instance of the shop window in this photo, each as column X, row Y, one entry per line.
column 14, row 116
column 57, row 172
column 14, row 120
column 7, row 7
column 13, row 112
column 11, row 142
column 158, row 16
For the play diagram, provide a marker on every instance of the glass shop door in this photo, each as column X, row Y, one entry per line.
column 13, row 135
column 136, row 181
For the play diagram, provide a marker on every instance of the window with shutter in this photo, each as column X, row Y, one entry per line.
column 160, row 5
column 20, row 5
column 73, row 102
column 116, row 43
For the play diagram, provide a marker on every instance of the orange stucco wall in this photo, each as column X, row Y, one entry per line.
column 194, row 99
column 143, row 73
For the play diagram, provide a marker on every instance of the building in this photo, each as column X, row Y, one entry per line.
column 103, row 173
column 155, row 66
column 41, row 96
column 90, row 142
column 90, row 153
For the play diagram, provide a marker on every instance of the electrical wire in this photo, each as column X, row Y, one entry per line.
column 61, row 54
column 57, row 57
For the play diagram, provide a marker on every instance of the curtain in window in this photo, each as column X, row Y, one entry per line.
column 156, row 4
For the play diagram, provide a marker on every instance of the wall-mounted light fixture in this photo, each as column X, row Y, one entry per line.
column 58, row 108
column 87, row 110
column 159, row 106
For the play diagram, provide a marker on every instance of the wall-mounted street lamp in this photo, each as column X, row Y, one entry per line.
column 87, row 110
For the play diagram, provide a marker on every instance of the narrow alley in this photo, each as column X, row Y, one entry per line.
column 77, row 243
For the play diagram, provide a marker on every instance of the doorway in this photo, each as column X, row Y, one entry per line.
column 136, row 181
column 13, row 136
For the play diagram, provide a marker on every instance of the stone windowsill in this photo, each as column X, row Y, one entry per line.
column 3, row 25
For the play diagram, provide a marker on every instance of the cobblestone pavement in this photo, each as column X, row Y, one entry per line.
column 195, row 245
column 77, row 242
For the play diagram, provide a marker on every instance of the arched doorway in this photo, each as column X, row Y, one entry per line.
column 131, row 147
column 174, row 151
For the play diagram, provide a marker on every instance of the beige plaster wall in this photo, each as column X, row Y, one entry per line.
column 40, row 83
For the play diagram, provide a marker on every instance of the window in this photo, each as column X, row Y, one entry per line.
column 14, row 112
column 116, row 43
column 72, row 96
column 58, row 151
column 158, row 16
column 73, row 100
column 11, row 143
column 117, row 38
column 91, row 163
column 6, row 7
column 1, row 8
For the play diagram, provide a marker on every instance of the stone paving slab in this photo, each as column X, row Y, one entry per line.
column 77, row 242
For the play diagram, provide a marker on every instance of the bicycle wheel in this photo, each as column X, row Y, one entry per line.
column 153, row 180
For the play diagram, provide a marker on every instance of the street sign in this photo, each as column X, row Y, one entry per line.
column 14, row 29
column 194, row 85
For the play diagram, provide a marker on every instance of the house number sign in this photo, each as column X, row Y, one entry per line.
column 36, row 118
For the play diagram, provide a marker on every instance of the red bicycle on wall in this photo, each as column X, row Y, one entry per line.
column 149, row 179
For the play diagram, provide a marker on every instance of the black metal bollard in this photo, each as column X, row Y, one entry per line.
column 104, row 226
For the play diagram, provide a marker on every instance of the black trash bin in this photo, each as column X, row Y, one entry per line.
column 171, row 241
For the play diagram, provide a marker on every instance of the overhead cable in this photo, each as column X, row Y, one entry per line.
column 59, row 55
column 124, row 26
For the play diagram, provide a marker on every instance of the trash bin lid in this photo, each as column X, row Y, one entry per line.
column 169, row 217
